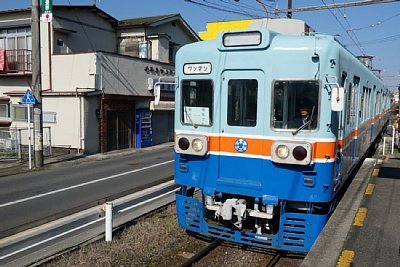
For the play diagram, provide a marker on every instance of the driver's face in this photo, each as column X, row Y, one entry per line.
column 303, row 111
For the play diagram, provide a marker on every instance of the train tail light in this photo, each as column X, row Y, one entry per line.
column 183, row 143
column 299, row 153
column 191, row 144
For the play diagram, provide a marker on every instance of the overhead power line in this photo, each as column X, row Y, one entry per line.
column 355, row 39
column 222, row 8
column 380, row 40
column 334, row 5
column 375, row 24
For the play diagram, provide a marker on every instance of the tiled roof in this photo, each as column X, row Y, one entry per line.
column 145, row 20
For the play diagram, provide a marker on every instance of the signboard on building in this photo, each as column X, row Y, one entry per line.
column 47, row 11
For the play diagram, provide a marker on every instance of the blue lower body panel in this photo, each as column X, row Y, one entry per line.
column 297, row 231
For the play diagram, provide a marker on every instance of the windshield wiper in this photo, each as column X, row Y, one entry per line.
column 189, row 117
column 306, row 124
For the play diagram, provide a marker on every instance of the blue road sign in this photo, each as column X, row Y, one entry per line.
column 28, row 98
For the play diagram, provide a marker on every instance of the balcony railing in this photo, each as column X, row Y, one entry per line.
column 15, row 60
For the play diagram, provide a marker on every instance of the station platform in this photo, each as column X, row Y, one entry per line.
column 364, row 230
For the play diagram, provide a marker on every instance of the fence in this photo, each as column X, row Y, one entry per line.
column 14, row 143
column 390, row 142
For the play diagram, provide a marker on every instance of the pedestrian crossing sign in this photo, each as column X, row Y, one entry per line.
column 28, row 98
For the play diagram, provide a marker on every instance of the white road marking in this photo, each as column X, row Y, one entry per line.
column 81, row 185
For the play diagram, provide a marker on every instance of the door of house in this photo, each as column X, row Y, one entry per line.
column 118, row 129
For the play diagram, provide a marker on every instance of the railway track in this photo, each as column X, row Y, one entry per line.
column 201, row 254
column 220, row 253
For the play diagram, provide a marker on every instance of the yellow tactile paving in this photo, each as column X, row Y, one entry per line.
column 345, row 258
column 370, row 189
column 360, row 216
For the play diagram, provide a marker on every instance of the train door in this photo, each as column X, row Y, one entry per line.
column 241, row 127
column 349, row 126
column 340, row 162
column 354, row 120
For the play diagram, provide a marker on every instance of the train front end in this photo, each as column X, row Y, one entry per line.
column 253, row 170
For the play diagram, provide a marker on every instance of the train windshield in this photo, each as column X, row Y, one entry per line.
column 197, row 102
column 242, row 102
column 295, row 105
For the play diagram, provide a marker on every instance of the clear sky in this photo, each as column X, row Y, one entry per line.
column 371, row 30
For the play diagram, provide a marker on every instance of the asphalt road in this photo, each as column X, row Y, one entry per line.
column 33, row 198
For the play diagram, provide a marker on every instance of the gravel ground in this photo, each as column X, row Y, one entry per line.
column 153, row 241
column 159, row 241
column 232, row 255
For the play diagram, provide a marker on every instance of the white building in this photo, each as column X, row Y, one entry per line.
column 97, row 76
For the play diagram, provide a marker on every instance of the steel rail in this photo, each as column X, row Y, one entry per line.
column 201, row 254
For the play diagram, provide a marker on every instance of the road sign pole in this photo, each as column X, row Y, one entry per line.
column 29, row 136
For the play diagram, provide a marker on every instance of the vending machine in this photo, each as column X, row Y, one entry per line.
column 144, row 130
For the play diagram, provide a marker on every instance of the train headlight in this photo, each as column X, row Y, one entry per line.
column 299, row 153
column 197, row 145
column 282, row 151
column 191, row 144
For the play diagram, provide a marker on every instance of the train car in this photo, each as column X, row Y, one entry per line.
column 252, row 168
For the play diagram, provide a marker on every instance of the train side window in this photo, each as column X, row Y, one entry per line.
column 361, row 112
column 375, row 101
column 351, row 100
column 294, row 104
column 343, row 79
column 197, row 102
column 242, row 102
column 348, row 103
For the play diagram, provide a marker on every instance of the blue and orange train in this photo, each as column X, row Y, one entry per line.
column 252, row 170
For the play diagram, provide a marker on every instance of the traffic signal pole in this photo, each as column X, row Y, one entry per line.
column 36, row 85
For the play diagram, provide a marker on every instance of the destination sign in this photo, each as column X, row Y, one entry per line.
column 197, row 68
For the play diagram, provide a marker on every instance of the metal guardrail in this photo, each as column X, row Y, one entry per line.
column 87, row 226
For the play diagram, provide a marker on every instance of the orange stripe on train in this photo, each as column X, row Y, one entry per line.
column 262, row 147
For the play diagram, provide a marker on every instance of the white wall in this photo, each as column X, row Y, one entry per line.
column 8, row 84
column 73, row 71
column 66, row 131
column 76, row 123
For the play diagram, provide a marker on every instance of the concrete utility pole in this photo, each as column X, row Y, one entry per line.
column 37, row 85
column 289, row 7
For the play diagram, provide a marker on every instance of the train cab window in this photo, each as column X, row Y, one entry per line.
column 242, row 102
column 295, row 105
column 197, row 102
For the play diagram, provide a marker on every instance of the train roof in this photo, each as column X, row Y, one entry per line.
column 281, row 25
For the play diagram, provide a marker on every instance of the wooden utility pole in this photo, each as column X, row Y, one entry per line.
column 37, row 85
